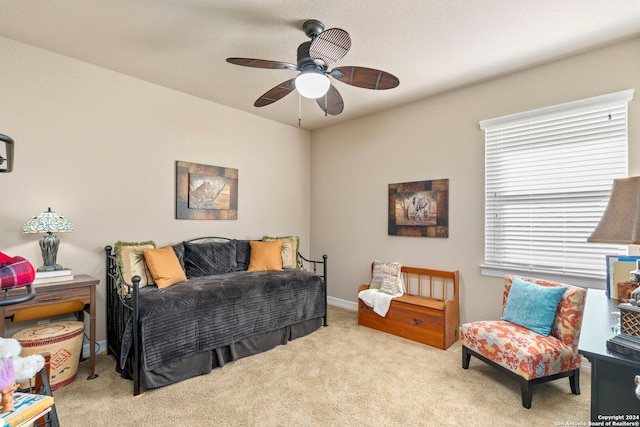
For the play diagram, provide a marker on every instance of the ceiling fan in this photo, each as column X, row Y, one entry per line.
column 314, row 58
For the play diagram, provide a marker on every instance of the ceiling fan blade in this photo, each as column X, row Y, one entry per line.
column 368, row 78
column 262, row 63
column 330, row 46
column 275, row 94
column 332, row 102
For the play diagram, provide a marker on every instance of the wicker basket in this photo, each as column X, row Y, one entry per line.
column 63, row 340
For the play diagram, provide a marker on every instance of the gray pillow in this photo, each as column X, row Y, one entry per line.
column 178, row 248
column 243, row 254
column 206, row 259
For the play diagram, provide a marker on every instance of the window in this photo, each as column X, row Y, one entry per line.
column 548, row 177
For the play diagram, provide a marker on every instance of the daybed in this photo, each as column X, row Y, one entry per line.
column 162, row 335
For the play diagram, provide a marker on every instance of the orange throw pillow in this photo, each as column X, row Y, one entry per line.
column 266, row 256
column 164, row 266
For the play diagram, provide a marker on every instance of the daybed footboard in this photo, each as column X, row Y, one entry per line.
column 123, row 311
column 120, row 308
column 310, row 265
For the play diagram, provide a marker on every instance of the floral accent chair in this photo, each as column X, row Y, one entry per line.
column 512, row 343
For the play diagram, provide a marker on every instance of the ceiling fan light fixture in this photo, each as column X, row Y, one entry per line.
column 312, row 84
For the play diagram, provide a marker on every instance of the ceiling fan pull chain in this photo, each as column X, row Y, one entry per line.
column 299, row 110
column 325, row 104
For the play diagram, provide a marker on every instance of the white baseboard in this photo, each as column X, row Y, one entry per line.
column 101, row 347
column 342, row 303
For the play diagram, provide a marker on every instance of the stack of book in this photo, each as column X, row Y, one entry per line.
column 26, row 408
column 53, row 276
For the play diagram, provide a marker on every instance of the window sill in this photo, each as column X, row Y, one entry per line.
column 569, row 279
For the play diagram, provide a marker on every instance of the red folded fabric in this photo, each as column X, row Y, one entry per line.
column 16, row 274
column 4, row 258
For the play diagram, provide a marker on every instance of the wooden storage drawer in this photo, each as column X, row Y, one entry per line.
column 413, row 322
column 45, row 296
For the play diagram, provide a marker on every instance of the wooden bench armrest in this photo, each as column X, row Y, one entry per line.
column 363, row 288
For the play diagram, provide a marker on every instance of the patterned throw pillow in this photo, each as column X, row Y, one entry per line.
column 382, row 271
column 390, row 286
column 130, row 259
column 290, row 245
column 210, row 258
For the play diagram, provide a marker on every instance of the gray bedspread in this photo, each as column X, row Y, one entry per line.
column 209, row 312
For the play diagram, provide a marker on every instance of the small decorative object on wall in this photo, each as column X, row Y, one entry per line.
column 419, row 208
column 8, row 150
column 206, row 192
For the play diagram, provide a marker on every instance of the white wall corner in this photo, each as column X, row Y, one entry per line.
column 342, row 303
column 101, row 347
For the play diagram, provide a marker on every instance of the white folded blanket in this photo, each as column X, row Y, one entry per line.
column 379, row 301
column 386, row 276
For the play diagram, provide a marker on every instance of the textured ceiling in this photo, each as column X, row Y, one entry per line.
column 430, row 45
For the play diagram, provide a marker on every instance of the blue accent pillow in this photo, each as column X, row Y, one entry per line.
column 533, row 306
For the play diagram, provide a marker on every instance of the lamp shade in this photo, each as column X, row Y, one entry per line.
column 312, row 84
column 47, row 222
column 620, row 222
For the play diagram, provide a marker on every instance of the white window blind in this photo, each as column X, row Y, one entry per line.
column 548, row 177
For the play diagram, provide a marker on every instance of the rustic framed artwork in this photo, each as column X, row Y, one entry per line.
column 419, row 208
column 206, row 192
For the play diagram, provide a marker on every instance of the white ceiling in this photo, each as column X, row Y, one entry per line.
column 430, row 45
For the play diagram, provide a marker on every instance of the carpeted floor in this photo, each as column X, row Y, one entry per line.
column 341, row 375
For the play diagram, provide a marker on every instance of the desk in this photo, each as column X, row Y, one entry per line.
column 81, row 288
column 612, row 374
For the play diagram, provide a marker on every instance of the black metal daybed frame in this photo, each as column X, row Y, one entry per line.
column 122, row 308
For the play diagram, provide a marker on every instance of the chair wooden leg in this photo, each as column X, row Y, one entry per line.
column 527, row 393
column 43, row 386
column 574, row 381
column 466, row 358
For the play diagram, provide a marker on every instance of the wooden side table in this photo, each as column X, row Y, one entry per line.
column 81, row 288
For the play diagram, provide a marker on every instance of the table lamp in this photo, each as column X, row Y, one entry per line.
column 48, row 222
column 620, row 223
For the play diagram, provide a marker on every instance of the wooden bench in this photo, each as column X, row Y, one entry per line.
column 428, row 312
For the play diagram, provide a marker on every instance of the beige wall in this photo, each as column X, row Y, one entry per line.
column 439, row 137
column 81, row 131
column 100, row 148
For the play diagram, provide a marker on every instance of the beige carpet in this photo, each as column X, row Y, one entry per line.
column 341, row 375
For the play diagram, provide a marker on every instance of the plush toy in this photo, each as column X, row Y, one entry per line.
column 15, row 369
